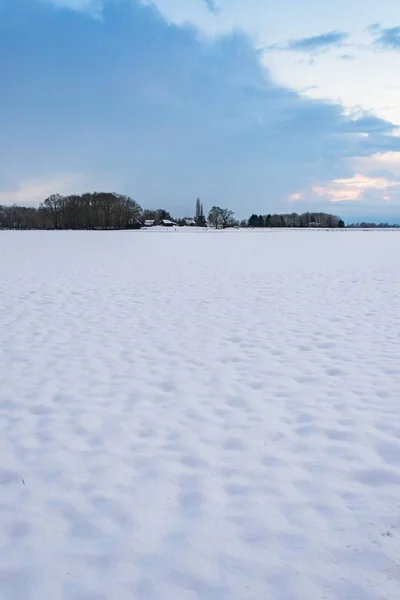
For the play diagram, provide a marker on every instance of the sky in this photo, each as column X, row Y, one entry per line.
column 254, row 105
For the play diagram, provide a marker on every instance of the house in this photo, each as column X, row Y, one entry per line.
column 148, row 223
column 190, row 222
column 167, row 223
column 133, row 224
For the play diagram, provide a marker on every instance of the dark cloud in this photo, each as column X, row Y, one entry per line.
column 166, row 114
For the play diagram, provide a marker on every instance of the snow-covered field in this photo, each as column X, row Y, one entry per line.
column 189, row 416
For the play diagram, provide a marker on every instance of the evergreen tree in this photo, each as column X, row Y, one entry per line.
column 254, row 221
column 201, row 221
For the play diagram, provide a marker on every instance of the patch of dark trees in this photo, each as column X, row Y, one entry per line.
column 307, row 219
column 364, row 225
column 96, row 210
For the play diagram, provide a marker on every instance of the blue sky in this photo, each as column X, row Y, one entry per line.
column 254, row 105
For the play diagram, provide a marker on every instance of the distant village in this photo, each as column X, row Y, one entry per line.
column 111, row 211
column 108, row 210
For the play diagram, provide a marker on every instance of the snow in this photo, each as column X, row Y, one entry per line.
column 192, row 415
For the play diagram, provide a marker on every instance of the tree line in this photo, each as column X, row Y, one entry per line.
column 109, row 210
column 307, row 219
column 364, row 225
column 96, row 210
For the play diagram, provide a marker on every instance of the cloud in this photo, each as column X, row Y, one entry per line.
column 373, row 28
column 34, row 191
column 346, row 57
column 373, row 193
column 93, row 7
column 388, row 162
column 317, row 43
column 168, row 115
column 386, row 39
column 212, row 6
column 354, row 188
column 296, row 196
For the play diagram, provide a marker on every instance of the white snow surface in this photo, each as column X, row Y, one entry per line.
column 200, row 416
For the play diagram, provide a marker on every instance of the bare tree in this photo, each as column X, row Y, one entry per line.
column 215, row 217
column 220, row 217
column 227, row 218
column 52, row 208
column 276, row 221
column 96, row 210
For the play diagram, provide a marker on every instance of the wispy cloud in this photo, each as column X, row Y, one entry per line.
column 296, row 196
column 388, row 162
column 373, row 190
column 346, row 57
column 93, row 8
column 373, row 28
column 212, row 6
column 317, row 43
column 354, row 188
column 33, row 191
column 387, row 39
